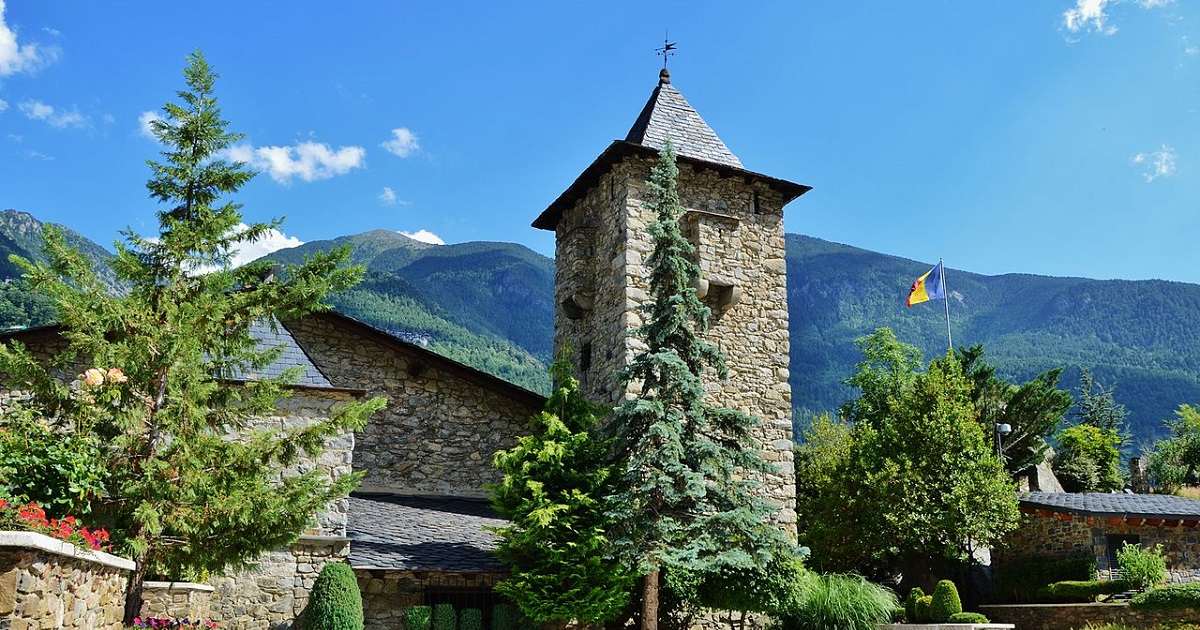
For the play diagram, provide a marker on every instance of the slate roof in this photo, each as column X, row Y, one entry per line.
column 410, row 533
column 291, row 356
column 1114, row 504
column 668, row 116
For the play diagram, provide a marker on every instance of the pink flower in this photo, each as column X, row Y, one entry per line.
column 115, row 375
column 93, row 377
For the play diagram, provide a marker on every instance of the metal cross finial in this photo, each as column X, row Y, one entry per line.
column 667, row 49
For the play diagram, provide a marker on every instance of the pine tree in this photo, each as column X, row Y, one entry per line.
column 552, row 491
column 686, row 499
column 182, row 498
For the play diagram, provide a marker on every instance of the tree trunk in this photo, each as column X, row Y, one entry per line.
column 650, row 601
column 133, row 593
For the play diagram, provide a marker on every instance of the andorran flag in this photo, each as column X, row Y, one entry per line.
column 931, row 286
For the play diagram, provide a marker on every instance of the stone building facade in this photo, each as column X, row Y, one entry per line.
column 734, row 219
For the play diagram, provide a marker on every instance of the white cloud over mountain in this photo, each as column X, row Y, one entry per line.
column 308, row 161
column 16, row 57
column 425, row 236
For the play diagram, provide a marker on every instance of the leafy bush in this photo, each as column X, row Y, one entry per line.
column 1018, row 580
column 1079, row 591
column 845, row 602
column 59, row 470
column 1142, row 567
column 417, row 618
column 910, row 604
column 1169, row 597
column 336, row 603
column 444, row 617
column 470, row 619
column 945, row 602
column 504, row 617
column 967, row 617
column 1089, row 459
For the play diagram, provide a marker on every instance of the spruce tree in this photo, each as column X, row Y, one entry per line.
column 194, row 485
column 552, row 492
column 686, row 498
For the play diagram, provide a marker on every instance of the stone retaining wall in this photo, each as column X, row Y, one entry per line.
column 1078, row 616
column 274, row 592
column 178, row 600
column 47, row 583
column 386, row 594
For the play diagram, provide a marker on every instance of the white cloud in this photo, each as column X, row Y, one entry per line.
column 144, row 120
column 38, row 155
column 272, row 241
column 403, row 143
column 3, row 104
column 1092, row 15
column 1156, row 164
column 51, row 31
column 37, row 110
column 425, row 236
column 17, row 57
column 308, row 161
column 1154, row 4
column 388, row 196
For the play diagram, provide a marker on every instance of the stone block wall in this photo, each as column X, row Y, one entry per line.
column 273, row 592
column 737, row 228
column 386, row 594
column 1079, row 616
column 46, row 583
column 441, row 426
column 176, row 600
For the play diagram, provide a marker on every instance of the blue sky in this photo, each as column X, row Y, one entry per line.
column 1056, row 137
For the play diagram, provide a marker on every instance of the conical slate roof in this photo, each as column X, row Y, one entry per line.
column 668, row 116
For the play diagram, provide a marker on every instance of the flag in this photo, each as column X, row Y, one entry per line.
column 928, row 287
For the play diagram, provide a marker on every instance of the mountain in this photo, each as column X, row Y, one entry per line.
column 491, row 305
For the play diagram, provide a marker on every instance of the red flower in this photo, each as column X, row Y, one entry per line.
column 3, row 503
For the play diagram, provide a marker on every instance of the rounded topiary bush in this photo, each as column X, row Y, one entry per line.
column 504, row 617
column 945, row 602
column 923, row 606
column 444, row 617
column 967, row 617
column 470, row 619
column 910, row 604
column 417, row 618
column 335, row 603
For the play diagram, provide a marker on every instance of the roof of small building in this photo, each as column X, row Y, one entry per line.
column 291, row 357
column 1114, row 504
column 668, row 117
column 421, row 533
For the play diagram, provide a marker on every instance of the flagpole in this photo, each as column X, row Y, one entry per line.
column 946, row 299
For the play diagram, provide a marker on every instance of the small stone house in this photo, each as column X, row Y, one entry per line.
column 1065, row 524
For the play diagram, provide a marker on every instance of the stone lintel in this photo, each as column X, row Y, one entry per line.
column 42, row 542
column 177, row 586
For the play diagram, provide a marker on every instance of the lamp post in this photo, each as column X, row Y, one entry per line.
column 1002, row 429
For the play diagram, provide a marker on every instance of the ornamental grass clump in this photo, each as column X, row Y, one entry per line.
column 336, row 602
column 844, row 602
column 1142, row 567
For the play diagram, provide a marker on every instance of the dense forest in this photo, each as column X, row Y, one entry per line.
column 490, row 305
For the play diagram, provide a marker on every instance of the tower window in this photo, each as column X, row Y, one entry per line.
column 755, row 202
column 585, row 357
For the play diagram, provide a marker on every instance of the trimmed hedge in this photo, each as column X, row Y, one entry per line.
column 923, row 608
column 1169, row 597
column 336, row 603
column 1079, row 592
column 1018, row 581
column 444, row 617
column 470, row 619
column 417, row 618
column 968, row 617
column 945, row 602
column 910, row 604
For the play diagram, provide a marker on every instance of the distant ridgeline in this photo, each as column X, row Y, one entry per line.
column 491, row 305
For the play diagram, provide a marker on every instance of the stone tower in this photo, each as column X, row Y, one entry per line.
column 733, row 216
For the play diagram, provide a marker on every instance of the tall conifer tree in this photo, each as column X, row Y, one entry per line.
column 162, row 355
column 686, row 499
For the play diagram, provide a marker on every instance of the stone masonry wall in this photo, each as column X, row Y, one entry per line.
column 1061, row 535
column 176, row 600
column 440, row 428
column 39, row 589
column 386, row 594
column 602, row 244
column 273, row 593
column 1080, row 616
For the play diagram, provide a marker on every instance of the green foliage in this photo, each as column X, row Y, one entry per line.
column 910, row 603
column 845, row 602
column 1089, row 459
column 1078, row 591
column 912, row 480
column 551, row 491
column 505, row 617
column 1034, row 410
column 1175, row 461
column 685, row 494
column 1019, row 579
column 924, row 609
column 1098, row 406
column 181, row 497
column 766, row 588
column 61, row 470
column 1142, row 567
column 418, row 618
column 1170, row 597
column 444, row 617
column 945, row 602
column 470, row 619
column 335, row 602
column 968, row 617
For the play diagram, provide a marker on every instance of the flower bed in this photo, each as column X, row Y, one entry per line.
column 166, row 623
column 31, row 517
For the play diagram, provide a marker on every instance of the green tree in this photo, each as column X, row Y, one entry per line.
column 1089, row 459
column 335, row 603
column 920, row 482
column 182, row 497
column 1034, row 410
column 554, row 481
column 1175, row 461
column 686, row 495
column 1099, row 408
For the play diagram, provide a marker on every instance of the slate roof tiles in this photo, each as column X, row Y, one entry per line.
column 1114, row 504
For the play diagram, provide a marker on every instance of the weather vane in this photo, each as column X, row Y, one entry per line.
column 667, row 50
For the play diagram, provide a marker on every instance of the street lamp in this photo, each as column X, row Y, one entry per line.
column 1002, row 429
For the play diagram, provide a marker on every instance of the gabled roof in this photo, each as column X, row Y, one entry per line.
column 1114, row 505
column 411, row 533
column 668, row 116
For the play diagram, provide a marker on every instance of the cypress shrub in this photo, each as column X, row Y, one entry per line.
column 945, row 602
column 336, row 603
column 504, row 617
column 470, row 619
column 417, row 618
column 444, row 617
column 922, row 608
column 910, row 604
